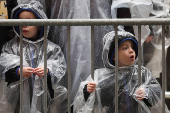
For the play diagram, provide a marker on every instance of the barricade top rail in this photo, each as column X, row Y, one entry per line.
column 84, row 22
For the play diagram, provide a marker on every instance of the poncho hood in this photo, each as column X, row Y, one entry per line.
column 107, row 40
column 35, row 7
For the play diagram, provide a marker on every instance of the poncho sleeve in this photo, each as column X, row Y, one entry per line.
column 154, row 92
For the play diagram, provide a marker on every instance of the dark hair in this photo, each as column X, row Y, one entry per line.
column 125, row 13
column 120, row 39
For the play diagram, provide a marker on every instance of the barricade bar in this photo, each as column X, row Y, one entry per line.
column 139, row 61
column 163, row 69
column 83, row 22
column 21, row 70
column 116, row 69
column 45, row 69
column 92, row 52
column 68, row 68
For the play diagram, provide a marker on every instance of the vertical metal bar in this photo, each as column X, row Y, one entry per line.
column 92, row 52
column 163, row 68
column 167, row 27
column 116, row 70
column 68, row 67
column 45, row 69
column 21, row 69
column 165, row 74
column 139, row 61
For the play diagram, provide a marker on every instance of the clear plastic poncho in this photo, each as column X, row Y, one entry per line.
column 102, row 99
column 152, row 48
column 33, row 56
column 80, row 35
column 138, row 9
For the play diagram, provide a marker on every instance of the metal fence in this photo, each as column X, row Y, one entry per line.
column 92, row 23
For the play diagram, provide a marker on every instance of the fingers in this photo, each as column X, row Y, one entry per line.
column 29, row 68
column 27, row 74
column 90, row 90
column 38, row 68
column 91, row 83
column 39, row 71
column 39, row 74
column 140, row 93
column 91, row 87
column 28, row 71
column 140, row 98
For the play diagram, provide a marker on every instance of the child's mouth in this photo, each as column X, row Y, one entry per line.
column 132, row 57
column 25, row 31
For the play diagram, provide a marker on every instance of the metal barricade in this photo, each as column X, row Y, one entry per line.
column 92, row 23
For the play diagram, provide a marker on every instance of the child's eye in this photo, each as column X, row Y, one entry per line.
column 125, row 47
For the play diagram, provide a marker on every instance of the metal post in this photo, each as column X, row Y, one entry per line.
column 21, row 69
column 116, row 70
column 45, row 69
column 139, row 61
column 92, row 52
column 68, row 68
column 163, row 68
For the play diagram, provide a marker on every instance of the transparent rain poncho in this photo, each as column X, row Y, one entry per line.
column 80, row 35
column 102, row 99
column 152, row 58
column 33, row 56
column 138, row 9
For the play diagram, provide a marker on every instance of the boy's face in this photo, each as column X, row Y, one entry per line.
column 126, row 54
column 29, row 31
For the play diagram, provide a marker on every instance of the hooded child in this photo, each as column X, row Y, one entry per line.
column 33, row 67
column 98, row 95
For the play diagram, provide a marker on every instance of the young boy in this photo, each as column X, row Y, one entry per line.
column 33, row 67
column 100, row 94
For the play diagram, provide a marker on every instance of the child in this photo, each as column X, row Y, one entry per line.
column 33, row 67
column 100, row 94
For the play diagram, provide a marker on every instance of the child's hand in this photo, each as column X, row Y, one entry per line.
column 140, row 93
column 91, row 86
column 27, row 71
column 39, row 71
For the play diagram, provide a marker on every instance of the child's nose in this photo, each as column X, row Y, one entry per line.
column 131, row 50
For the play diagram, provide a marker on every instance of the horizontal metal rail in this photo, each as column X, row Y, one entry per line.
column 167, row 94
column 83, row 22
